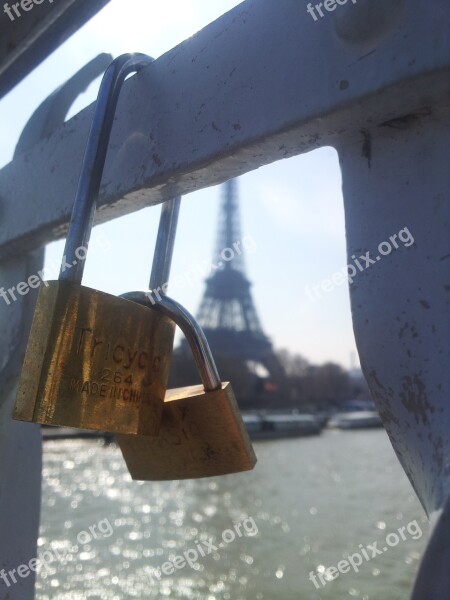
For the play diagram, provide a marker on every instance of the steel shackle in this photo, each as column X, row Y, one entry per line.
column 195, row 336
column 84, row 207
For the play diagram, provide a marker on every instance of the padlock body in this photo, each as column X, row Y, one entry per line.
column 202, row 435
column 94, row 361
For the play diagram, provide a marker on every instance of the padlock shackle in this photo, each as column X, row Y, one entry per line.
column 165, row 241
column 194, row 335
column 84, row 207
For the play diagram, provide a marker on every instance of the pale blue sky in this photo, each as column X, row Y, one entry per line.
column 292, row 209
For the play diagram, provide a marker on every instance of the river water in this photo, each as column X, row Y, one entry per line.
column 308, row 504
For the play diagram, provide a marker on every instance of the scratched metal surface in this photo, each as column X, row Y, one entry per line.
column 401, row 306
column 269, row 83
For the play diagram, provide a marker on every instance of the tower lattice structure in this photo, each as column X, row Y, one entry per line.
column 227, row 312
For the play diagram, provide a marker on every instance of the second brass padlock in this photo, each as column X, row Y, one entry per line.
column 202, row 433
column 94, row 361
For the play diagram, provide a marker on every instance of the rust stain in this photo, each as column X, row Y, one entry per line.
column 366, row 151
column 402, row 330
column 438, row 455
column 415, row 400
column 387, row 416
column 382, row 397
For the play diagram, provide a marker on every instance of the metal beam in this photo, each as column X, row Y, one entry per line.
column 257, row 85
column 27, row 40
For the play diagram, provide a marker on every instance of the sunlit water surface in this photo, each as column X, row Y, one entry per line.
column 312, row 500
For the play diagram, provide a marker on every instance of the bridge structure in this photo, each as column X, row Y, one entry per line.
column 267, row 81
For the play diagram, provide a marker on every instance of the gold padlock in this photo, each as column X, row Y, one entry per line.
column 94, row 361
column 202, row 433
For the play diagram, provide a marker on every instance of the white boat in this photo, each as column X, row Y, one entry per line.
column 360, row 419
column 281, row 425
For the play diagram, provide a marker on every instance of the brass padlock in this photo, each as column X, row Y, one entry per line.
column 202, row 433
column 94, row 361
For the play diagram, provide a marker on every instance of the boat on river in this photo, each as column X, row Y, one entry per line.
column 274, row 426
column 359, row 419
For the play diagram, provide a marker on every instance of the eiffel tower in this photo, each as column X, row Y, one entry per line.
column 227, row 312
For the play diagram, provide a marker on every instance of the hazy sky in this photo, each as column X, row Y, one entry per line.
column 292, row 209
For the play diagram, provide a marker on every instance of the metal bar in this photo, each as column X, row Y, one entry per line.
column 27, row 40
column 257, row 85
